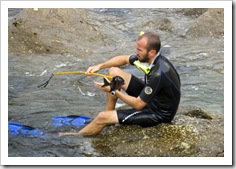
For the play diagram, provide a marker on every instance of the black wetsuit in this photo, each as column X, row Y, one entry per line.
column 160, row 90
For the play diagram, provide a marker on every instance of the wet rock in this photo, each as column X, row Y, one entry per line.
column 186, row 136
column 209, row 24
column 161, row 140
column 193, row 12
column 195, row 112
column 165, row 25
column 62, row 31
column 72, row 31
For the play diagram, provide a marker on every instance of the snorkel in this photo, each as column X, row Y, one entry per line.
column 145, row 67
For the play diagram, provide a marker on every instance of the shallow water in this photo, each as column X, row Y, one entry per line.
column 199, row 61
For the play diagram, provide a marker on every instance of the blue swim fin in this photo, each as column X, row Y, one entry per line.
column 72, row 120
column 23, row 130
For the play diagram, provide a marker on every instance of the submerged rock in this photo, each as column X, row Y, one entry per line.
column 165, row 25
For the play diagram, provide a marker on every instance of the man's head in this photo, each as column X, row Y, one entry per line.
column 147, row 46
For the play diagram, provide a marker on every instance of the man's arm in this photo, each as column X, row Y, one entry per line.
column 113, row 62
column 135, row 102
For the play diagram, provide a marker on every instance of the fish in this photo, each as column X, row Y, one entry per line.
column 115, row 83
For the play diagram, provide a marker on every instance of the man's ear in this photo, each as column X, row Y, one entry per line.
column 152, row 52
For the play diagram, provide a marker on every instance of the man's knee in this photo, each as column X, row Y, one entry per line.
column 102, row 118
column 114, row 71
column 106, row 117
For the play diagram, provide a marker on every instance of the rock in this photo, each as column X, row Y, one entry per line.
column 187, row 136
column 193, row 12
column 161, row 140
column 209, row 24
column 193, row 111
column 165, row 25
column 62, row 31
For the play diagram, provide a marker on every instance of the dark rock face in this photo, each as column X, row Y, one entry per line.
column 210, row 24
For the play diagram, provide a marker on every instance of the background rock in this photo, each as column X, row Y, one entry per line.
column 51, row 31
column 69, row 31
column 211, row 23
column 165, row 25
column 193, row 12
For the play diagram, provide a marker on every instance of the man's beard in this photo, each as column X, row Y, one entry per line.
column 145, row 58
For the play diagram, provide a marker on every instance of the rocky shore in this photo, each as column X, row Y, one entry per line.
column 64, row 31
column 194, row 132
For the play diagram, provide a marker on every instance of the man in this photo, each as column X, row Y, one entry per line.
column 154, row 100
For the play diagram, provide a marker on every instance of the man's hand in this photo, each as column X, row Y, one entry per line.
column 99, row 86
column 92, row 69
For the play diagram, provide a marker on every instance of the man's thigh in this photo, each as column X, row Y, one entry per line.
column 142, row 117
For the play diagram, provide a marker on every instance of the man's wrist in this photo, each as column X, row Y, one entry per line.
column 113, row 92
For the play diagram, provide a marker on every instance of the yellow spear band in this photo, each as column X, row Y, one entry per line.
column 81, row 72
column 71, row 73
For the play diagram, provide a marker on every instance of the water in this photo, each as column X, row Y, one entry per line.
column 199, row 61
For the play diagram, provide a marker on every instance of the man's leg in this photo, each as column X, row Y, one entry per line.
column 109, row 116
column 103, row 119
column 111, row 100
column 96, row 126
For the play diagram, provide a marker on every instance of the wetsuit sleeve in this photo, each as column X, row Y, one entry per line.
column 153, row 85
column 132, row 59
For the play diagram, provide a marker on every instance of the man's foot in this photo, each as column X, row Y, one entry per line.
column 69, row 134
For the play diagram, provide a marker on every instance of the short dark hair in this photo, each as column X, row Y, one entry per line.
column 153, row 41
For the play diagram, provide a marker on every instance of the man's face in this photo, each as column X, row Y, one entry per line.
column 141, row 50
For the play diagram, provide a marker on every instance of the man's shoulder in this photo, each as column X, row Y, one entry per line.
column 165, row 61
column 161, row 65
